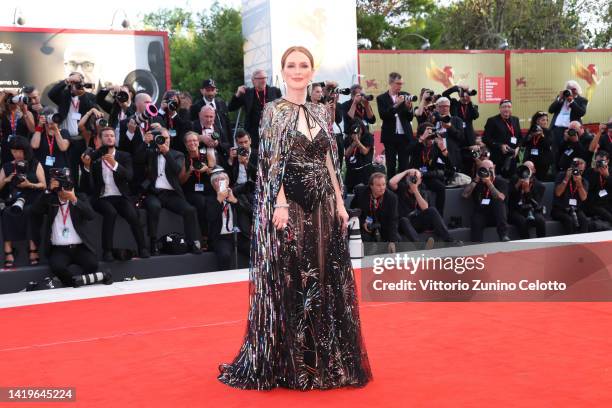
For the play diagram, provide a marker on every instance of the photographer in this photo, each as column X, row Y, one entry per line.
column 69, row 217
column 15, row 119
column 413, row 207
column 253, row 101
column 502, row 135
column 358, row 153
column 379, row 217
column 450, row 130
column 430, row 157
column 163, row 188
column 577, row 143
column 488, row 193
column 131, row 136
column 229, row 225
column 26, row 179
column 195, row 178
column 242, row 161
column 34, row 104
column 477, row 154
column 358, row 108
column 427, row 105
column 603, row 139
column 570, row 195
column 395, row 110
column 327, row 93
column 567, row 107
column 464, row 109
column 525, row 203
column 209, row 97
column 538, row 146
column 600, row 188
column 117, row 102
column 49, row 142
column 110, row 171
column 212, row 134
column 73, row 102
column 175, row 119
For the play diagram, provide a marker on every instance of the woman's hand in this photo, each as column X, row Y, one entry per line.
column 343, row 216
column 280, row 217
column 25, row 184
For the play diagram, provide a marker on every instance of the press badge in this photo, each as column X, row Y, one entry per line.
column 440, row 160
column 485, row 201
column 603, row 193
column 65, row 233
column 369, row 220
column 423, row 169
column 569, row 152
column 573, row 202
column 172, row 132
column 199, row 187
column 535, row 152
column 49, row 161
column 75, row 116
column 513, row 140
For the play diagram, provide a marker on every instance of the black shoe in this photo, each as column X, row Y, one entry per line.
column 77, row 281
column 107, row 256
column 504, row 238
column 154, row 247
column 429, row 244
column 454, row 242
column 194, row 248
column 107, row 278
column 144, row 253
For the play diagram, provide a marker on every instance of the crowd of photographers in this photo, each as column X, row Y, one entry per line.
column 114, row 151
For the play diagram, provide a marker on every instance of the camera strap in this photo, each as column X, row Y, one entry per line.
column 375, row 204
column 13, row 123
column 75, row 105
column 509, row 126
column 50, row 142
column 426, row 158
column 262, row 102
column 197, row 173
column 64, row 214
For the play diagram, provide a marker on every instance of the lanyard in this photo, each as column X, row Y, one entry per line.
column 509, row 126
column 170, row 122
column 602, row 181
column 197, row 173
column 377, row 204
column 50, row 142
column 226, row 210
column 64, row 214
column 488, row 192
column 263, row 102
column 76, row 105
column 463, row 111
column 536, row 140
column 573, row 189
column 426, row 157
column 107, row 165
column 13, row 123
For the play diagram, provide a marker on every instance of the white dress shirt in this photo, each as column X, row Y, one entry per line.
column 71, row 123
column 563, row 118
column 399, row 129
column 162, row 181
column 110, row 187
column 58, row 236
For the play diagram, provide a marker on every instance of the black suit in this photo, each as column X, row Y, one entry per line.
column 386, row 214
column 178, row 125
column 251, row 168
column 577, row 111
column 493, row 212
column 222, row 150
column 396, row 145
column 253, row 108
column 518, row 203
column 496, row 133
column 455, row 140
column 111, row 206
column 173, row 200
column 221, row 113
column 223, row 244
column 60, row 257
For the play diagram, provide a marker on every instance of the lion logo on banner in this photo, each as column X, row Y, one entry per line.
column 589, row 74
column 521, row 82
column 445, row 76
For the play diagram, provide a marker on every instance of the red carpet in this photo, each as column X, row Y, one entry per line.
column 161, row 349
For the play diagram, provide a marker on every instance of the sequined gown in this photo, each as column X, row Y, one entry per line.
column 304, row 331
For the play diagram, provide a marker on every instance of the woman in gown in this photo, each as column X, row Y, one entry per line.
column 303, row 328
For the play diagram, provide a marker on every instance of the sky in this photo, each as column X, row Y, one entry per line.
column 95, row 14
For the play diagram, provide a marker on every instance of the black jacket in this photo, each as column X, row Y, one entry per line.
column 577, row 109
column 248, row 101
column 180, row 124
column 467, row 113
column 61, row 96
column 348, row 121
column 536, row 193
column 251, row 168
column 112, row 108
column 222, row 112
column 455, row 140
column 174, row 163
column 214, row 216
column 386, row 215
column 122, row 176
column 387, row 113
column 222, row 150
column 81, row 215
column 496, row 133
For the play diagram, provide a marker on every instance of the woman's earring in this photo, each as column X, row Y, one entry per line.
column 309, row 88
column 284, row 88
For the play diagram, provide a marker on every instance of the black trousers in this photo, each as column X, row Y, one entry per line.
column 429, row 219
column 493, row 214
column 396, row 151
column 198, row 201
column 109, row 208
column 599, row 211
column 224, row 246
column 557, row 134
column 63, row 256
column 354, row 177
column 563, row 216
column 520, row 220
column 437, row 186
column 76, row 149
column 170, row 200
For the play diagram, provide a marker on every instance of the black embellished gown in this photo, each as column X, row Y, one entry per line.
column 319, row 344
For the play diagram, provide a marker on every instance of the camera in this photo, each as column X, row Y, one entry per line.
column 21, row 169
column 20, row 99
column 566, row 93
column 355, row 128
column 374, row 228
column 572, row 132
column 63, row 176
column 54, row 118
column 531, row 207
column 475, row 153
column 575, row 168
column 412, row 179
column 523, row 172
column 96, row 154
column 241, row 151
column 483, row 173
column 17, row 207
column 215, row 136
column 122, row 97
column 199, row 163
column 536, row 129
column 367, row 97
column 409, row 97
column 158, row 138
column 440, row 118
column 149, row 113
column 470, row 92
column 81, row 85
column 101, row 122
column 172, row 104
column 602, row 163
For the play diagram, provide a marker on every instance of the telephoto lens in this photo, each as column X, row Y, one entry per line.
column 523, row 172
column 54, row 118
column 601, row 163
column 483, row 172
column 572, row 132
column 412, row 179
column 367, row 97
column 172, row 105
column 122, row 96
column 475, row 154
column 102, row 122
column 566, row 93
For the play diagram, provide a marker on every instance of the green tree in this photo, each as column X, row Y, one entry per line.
column 208, row 45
